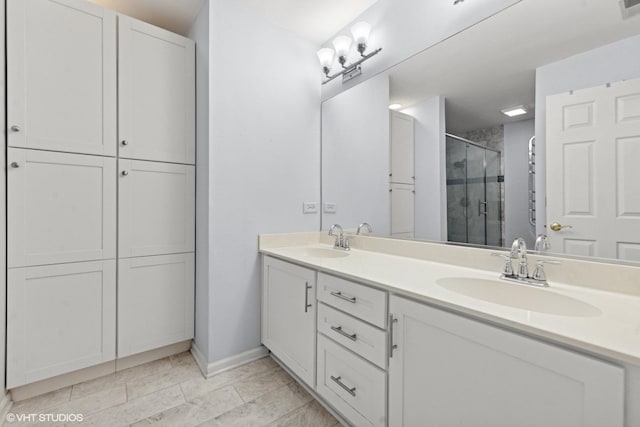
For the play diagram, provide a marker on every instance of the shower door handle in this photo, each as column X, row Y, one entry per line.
column 480, row 210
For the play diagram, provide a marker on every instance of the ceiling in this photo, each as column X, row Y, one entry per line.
column 176, row 16
column 313, row 20
column 491, row 66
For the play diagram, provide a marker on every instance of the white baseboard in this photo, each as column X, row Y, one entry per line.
column 211, row 369
column 5, row 407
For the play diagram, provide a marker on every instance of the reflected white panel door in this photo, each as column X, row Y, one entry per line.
column 155, row 302
column 156, row 88
column 289, row 316
column 402, row 148
column 60, row 318
column 402, row 210
column 61, row 207
column 593, row 178
column 61, row 76
column 448, row 370
column 157, row 208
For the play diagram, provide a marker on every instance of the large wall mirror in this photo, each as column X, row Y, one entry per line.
column 457, row 162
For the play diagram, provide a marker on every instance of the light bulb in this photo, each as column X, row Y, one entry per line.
column 342, row 45
column 361, row 31
column 325, row 55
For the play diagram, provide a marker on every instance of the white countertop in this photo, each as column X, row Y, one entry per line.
column 613, row 333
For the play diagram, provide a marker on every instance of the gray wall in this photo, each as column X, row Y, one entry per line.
column 516, row 184
column 430, row 171
column 200, row 33
column 355, row 156
column 264, row 161
column 607, row 64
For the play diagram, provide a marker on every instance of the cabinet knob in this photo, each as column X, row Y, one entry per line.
column 15, row 165
column 15, row 128
column 125, row 142
column 125, row 173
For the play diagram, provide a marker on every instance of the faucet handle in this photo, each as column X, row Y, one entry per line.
column 508, row 267
column 539, row 273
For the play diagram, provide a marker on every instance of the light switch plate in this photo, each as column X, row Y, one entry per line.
column 330, row 208
column 310, row 207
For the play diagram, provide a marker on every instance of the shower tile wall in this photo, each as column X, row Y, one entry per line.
column 491, row 138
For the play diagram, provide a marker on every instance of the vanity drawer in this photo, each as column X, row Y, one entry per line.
column 356, row 388
column 356, row 335
column 367, row 303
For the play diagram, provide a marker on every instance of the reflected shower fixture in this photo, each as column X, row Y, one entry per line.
column 342, row 46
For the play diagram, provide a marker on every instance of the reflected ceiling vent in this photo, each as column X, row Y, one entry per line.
column 455, row 2
column 631, row 3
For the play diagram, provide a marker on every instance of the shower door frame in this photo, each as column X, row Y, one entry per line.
column 466, row 186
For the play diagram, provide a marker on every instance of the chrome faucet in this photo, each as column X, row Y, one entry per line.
column 341, row 241
column 519, row 251
column 542, row 243
column 366, row 226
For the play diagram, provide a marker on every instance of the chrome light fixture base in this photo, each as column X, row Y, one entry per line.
column 353, row 70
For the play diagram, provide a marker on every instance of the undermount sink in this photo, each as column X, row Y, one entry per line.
column 325, row 253
column 519, row 296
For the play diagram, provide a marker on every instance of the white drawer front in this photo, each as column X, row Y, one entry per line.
column 356, row 388
column 358, row 336
column 361, row 301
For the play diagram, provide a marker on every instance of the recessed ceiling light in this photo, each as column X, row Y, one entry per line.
column 515, row 111
column 395, row 106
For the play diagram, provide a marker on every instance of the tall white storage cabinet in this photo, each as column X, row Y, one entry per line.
column 156, row 238
column 68, row 307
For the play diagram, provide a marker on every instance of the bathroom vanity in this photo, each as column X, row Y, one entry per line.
column 390, row 333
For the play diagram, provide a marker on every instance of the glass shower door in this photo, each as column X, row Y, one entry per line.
column 476, row 213
column 493, row 207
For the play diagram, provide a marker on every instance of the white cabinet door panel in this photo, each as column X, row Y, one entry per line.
column 289, row 316
column 61, row 76
column 61, row 207
column 402, row 148
column 156, row 93
column 60, row 318
column 449, row 370
column 155, row 302
column 156, row 209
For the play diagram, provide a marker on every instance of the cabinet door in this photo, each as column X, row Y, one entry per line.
column 402, row 148
column 155, row 302
column 60, row 318
column 61, row 207
column 61, row 76
column 402, row 209
column 156, row 210
column 156, row 93
column 448, row 370
column 289, row 316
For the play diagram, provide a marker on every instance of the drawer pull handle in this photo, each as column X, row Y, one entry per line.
column 392, row 346
column 352, row 300
column 339, row 330
column 306, row 297
column 337, row 380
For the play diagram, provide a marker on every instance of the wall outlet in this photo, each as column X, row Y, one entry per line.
column 310, row 207
column 330, row 208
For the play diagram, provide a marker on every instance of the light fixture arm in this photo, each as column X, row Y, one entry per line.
column 348, row 68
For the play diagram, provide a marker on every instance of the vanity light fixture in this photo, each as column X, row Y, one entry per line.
column 515, row 111
column 342, row 46
column 395, row 106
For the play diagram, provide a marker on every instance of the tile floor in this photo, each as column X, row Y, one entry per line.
column 173, row 392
